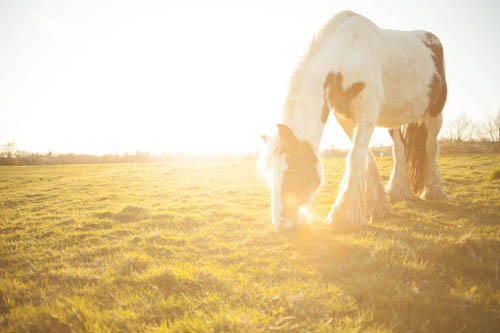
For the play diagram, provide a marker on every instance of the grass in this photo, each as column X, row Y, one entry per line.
column 494, row 175
column 188, row 246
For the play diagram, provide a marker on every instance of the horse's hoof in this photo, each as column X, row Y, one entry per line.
column 379, row 209
column 434, row 193
column 399, row 194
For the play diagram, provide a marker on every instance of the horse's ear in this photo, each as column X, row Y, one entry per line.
column 287, row 138
column 264, row 138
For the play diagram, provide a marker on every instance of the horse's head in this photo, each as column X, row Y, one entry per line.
column 294, row 174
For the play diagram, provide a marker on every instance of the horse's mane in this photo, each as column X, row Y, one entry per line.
column 317, row 41
column 269, row 151
column 267, row 154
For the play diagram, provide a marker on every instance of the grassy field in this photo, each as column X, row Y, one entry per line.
column 188, row 246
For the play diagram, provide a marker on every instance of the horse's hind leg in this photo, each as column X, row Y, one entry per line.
column 376, row 201
column 433, row 188
column 421, row 150
column 398, row 186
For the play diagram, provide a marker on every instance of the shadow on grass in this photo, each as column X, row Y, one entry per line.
column 421, row 276
column 485, row 214
column 127, row 214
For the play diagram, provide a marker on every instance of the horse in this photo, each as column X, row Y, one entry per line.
column 368, row 76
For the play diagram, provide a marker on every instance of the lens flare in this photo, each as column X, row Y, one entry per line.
column 289, row 200
column 304, row 211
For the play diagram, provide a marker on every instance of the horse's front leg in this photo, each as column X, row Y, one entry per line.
column 376, row 201
column 350, row 205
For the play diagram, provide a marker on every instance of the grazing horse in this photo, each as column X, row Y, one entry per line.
column 369, row 77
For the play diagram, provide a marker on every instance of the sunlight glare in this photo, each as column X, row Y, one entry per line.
column 304, row 211
column 290, row 200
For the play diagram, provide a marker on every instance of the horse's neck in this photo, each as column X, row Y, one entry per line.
column 303, row 113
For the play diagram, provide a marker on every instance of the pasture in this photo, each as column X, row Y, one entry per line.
column 188, row 246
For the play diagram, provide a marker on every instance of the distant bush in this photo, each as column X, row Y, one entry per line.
column 28, row 158
column 495, row 175
column 468, row 147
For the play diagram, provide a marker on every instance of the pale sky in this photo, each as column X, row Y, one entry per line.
column 201, row 76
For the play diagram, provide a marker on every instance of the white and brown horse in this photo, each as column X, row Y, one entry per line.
column 369, row 77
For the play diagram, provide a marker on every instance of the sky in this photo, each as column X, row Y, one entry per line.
column 201, row 76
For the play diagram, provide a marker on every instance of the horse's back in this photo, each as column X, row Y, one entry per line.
column 348, row 41
column 400, row 70
column 407, row 68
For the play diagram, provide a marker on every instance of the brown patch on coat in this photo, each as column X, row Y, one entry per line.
column 337, row 98
column 325, row 112
column 392, row 132
column 438, row 89
column 301, row 178
column 414, row 137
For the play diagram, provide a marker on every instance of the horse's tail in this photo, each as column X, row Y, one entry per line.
column 414, row 137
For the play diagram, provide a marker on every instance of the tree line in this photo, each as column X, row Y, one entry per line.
column 465, row 135
column 461, row 135
column 10, row 156
column 464, row 129
column 20, row 157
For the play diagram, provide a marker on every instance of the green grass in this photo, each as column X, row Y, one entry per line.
column 494, row 175
column 188, row 246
